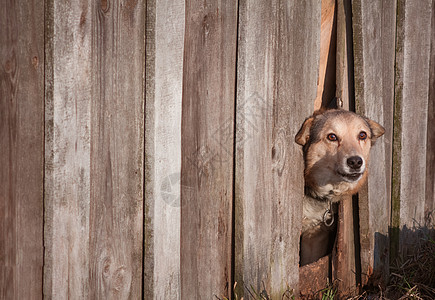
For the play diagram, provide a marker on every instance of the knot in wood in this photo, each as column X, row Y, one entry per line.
column 105, row 5
column 279, row 151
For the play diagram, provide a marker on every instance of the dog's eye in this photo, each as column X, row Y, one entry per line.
column 362, row 135
column 332, row 137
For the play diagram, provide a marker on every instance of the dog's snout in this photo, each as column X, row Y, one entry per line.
column 355, row 162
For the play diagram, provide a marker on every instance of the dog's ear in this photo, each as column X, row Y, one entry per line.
column 304, row 133
column 377, row 130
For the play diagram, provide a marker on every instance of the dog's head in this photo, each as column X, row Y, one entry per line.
column 336, row 146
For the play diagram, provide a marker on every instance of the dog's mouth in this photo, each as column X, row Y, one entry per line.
column 350, row 176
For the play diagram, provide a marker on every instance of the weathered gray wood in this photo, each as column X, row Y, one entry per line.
column 165, row 45
column 374, row 30
column 410, row 120
column 429, row 208
column 117, row 106
column 21, row 149
column 94, row 150
column 278, row 65
column 67, row 148
column 207, row 148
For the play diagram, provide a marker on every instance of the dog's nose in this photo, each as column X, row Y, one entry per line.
column 355, row 162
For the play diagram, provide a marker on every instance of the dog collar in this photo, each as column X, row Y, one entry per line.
column 310, row 193
column 328, row 216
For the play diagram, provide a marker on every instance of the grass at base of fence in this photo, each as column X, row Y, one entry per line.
column 252, row 293
column 415, row 274
column 411, row 277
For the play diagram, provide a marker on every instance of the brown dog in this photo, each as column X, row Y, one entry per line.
column 336, row 146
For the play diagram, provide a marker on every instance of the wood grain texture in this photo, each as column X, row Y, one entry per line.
column 343, row 255
column 429, row 208
column 410, row 119
column 278, row 63
column 165, row 45
column 374, row 31
column 21, row 149
column 207, row 148
column 314, row 277
column 344, row 267
column 117, row 119
column 94, row 150
column 328, row 33
column 67, row 149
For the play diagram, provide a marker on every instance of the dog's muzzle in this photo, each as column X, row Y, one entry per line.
column 353, row 169
column 351, row 176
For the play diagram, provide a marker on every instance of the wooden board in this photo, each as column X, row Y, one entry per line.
column 327, row 62
column 344, row 268
column 21, row 149
column 207, row 148
column 410, row 120
column 429, row 208
column 374, row 31
column 94, row 150
column 67, row 154
column 278, row 65
column 314, row 278
column 164, row 78
column 117, row 119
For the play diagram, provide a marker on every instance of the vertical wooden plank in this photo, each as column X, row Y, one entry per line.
column 327, row 62
column 344, row 268
column 165, row 45
column 344, row 65
column 374, row 31
column 278, row 65
column 429, row 208
column 207, row 148
column 117, row 149
column 343, row 258
column 410, row 121
column 67, row 148
column 94, row 149
column 21, row 144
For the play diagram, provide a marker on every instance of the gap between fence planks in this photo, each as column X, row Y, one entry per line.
column 21, row 149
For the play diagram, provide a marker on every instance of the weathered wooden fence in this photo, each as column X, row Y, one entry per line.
column 147, row 147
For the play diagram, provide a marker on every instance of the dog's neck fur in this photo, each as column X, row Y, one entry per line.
column 319, row 195
column 332, row 191
column 315, row 205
